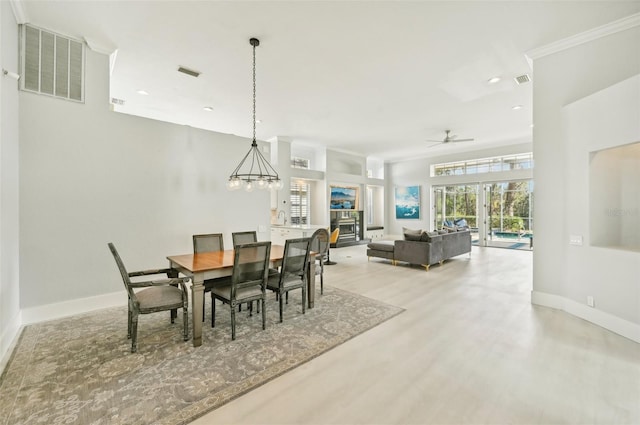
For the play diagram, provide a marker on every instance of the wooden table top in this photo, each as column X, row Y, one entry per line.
column 205, row 261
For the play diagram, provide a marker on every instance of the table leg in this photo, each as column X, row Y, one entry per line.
column 197, row 295
column 311, row 283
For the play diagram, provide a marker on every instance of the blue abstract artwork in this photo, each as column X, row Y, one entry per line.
column 408, row 202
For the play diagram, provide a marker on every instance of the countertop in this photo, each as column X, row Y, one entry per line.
column 299, row 226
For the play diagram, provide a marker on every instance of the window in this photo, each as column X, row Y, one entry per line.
column 300, row 203
column 486, row 165
column 300, row 163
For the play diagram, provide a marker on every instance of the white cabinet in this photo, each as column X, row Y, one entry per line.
column 279, row 234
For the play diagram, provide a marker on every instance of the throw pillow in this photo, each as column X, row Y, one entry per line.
column 413, row 233
column 461, row 222
column 406, row 230
column 412, row 237
column 426, row 236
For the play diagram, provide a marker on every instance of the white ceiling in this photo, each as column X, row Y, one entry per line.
column 377, row 78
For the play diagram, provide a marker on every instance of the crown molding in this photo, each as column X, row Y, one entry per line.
column 18, row 11
column 585, row 37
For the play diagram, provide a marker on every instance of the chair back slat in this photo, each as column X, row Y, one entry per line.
column 244, row 237
column 208, row 243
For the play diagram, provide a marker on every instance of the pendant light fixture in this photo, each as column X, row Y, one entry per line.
column 254, row 170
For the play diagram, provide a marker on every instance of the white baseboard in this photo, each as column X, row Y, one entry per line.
column 47, row 312
column 613, row 323
column 8, row 340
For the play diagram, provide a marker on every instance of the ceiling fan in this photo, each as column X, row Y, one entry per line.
column 448, row 138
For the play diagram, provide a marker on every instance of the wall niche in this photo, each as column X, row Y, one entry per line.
column 614, row 197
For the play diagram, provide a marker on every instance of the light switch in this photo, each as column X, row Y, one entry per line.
column 575, row 240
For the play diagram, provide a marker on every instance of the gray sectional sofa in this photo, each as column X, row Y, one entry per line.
column 423, row 248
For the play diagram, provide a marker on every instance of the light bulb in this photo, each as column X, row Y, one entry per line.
column 232, row 184
column 248, row 186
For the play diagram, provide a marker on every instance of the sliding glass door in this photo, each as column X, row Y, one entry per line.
column 457, row 204
column 508, row 214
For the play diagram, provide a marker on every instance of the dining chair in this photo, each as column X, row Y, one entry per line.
column 209, row 242
column 248, row 281
column 243, row 237
column 320, row 245
column 157, row 295
column 292, row 271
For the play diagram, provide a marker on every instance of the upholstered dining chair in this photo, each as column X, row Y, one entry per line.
column 292, row 271
column 248, row 281
column 157, row 295
column 320, row 245
column 243, row 237
column 209, row 242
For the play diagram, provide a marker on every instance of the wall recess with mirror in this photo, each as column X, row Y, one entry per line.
column 614, row 197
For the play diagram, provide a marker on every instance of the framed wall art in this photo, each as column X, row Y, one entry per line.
column 407, row 202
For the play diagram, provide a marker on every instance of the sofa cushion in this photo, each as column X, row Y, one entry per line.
column 443, row 232
column 382, row 245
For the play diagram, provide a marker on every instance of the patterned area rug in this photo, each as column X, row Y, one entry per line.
column 80, row 370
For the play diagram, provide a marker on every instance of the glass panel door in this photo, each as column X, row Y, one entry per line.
column 508, row 214
column 457, row 205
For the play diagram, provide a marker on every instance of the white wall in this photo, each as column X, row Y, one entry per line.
column 90, row 176
column 564, row 275
column 9, row 212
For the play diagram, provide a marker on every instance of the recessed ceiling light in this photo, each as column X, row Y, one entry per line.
column 493, row 80
column 142, row 92
column 516, row 107
column 208, row 108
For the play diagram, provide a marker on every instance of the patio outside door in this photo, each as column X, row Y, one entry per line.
column 455, row 203
column 508, row 217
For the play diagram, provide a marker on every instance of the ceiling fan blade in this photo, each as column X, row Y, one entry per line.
column 461, row 140
column 433, row 141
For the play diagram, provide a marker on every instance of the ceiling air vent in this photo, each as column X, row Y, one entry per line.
column 522, row 79
column 117, row 101
column 51, row 64
column 188, row 71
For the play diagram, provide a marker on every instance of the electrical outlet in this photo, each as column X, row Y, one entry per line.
column 590, row 301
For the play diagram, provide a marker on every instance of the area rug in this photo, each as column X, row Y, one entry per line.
column 79, row 370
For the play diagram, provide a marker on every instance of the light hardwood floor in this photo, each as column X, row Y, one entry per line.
column 469, row 349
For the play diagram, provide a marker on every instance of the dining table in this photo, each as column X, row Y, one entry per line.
column 210, row 265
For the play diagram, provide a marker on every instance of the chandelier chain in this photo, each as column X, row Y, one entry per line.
column 254, row 92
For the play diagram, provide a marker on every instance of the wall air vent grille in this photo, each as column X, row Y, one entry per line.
column 51, row 64
column 522, row 79
column 188, row 71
